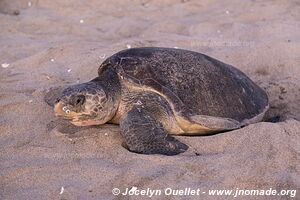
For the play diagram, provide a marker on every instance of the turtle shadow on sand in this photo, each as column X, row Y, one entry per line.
column 64, row 127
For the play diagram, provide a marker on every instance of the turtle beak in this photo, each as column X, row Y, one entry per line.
column 62, row 111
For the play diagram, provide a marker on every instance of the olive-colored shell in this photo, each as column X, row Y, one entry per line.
column 195, row 84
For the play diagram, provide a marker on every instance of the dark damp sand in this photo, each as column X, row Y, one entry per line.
column 50, row 43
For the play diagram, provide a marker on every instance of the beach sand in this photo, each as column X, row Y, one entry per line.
column 50, row 43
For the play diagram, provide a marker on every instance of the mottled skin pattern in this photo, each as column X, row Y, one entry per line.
column 90, row 103
column 155, row 92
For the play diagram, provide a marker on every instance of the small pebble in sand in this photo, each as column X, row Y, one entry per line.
column 227, row 12
column 106, row 134
column 128, row 46
column 175, row 47
column 102, row 56
column 52, row 60
column 69, row 70
column 48, row 77
column 16, row 12
column 81, row 21
column 62, row 190
column 29, row 3
column 5, row 65
column 30, row 101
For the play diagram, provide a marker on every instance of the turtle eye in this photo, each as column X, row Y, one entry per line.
column 79, row 100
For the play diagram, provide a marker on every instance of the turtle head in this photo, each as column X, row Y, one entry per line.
column 86, row 104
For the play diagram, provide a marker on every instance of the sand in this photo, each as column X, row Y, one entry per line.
column 50, row 43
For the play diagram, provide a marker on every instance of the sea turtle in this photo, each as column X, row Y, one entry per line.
column 155, row 92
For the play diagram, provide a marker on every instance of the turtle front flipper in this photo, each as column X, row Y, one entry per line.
column 142, row 133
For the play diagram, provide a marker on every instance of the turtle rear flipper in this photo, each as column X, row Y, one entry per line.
column 216, row 123
column 143, row 134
